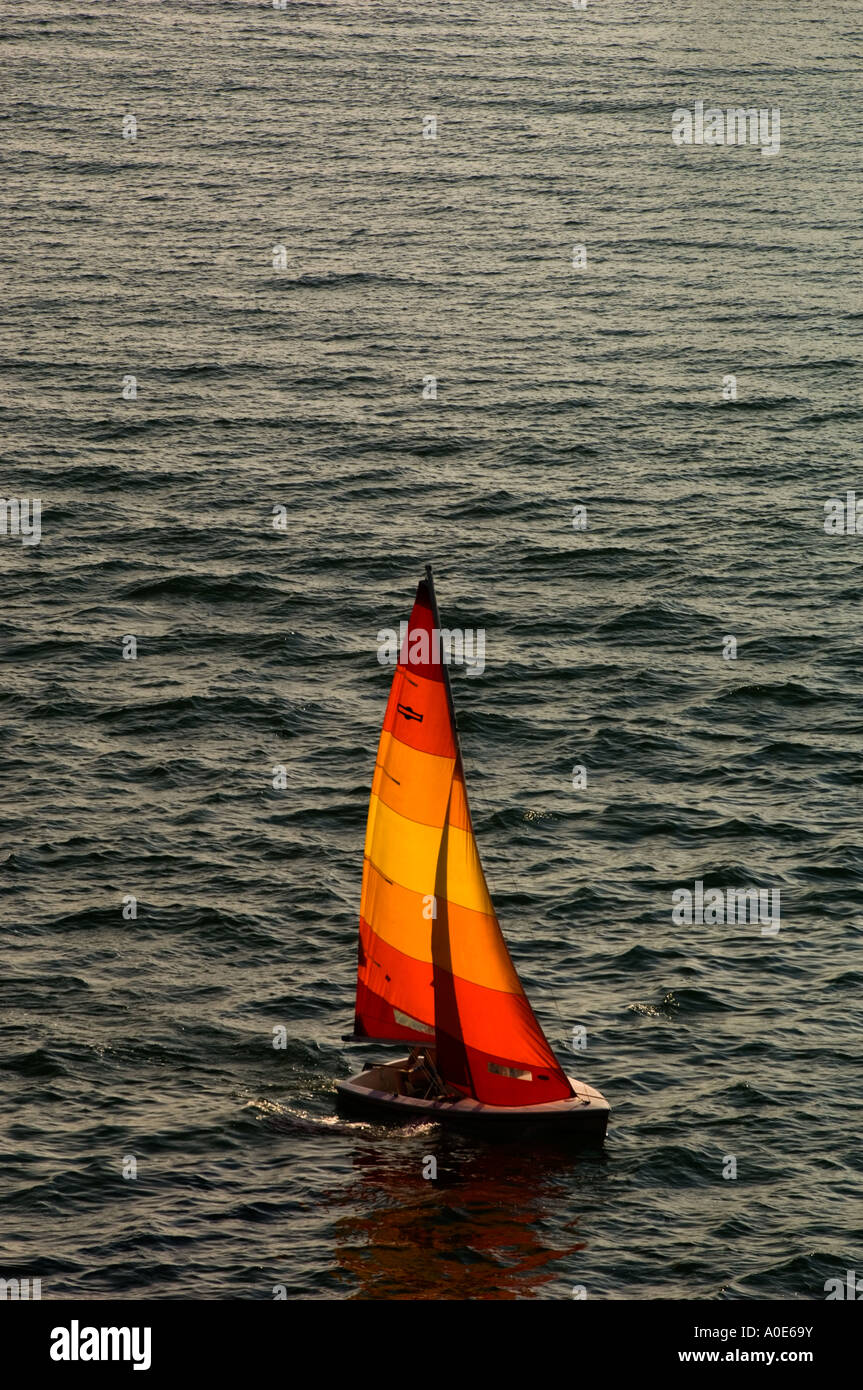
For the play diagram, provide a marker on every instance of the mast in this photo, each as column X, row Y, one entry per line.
column 452, row 1057
column 444, row 664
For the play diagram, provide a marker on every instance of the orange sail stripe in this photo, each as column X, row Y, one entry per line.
column 400, row 769
column 403, row 919
column 397, row 914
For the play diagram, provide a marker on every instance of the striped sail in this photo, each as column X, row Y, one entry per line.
column 433, row 964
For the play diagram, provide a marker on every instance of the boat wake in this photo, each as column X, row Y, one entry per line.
column 292, row 1119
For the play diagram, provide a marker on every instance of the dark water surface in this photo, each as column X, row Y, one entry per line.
column 302, row 387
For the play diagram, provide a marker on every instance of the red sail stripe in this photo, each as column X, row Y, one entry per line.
column 376, row 1019
column 497, row 1089
column 418, row 714
column 392, row 976
column 501, row 1028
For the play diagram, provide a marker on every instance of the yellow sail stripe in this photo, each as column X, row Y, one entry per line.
column 407, row 853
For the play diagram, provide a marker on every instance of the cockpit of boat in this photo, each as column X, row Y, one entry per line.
column 419, row 1077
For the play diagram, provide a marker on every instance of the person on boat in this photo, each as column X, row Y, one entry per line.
column 414, row 1079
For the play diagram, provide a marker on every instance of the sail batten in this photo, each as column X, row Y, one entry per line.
column 433, row 963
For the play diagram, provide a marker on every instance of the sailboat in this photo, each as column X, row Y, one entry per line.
column 433, row 967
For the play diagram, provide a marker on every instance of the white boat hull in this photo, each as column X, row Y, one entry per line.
column 374, row 1093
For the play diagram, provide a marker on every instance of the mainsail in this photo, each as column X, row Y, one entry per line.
column 433, row 964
